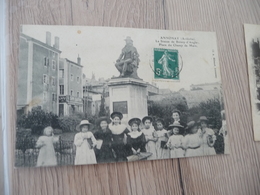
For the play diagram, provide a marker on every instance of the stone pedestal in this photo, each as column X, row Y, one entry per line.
column 128, row 96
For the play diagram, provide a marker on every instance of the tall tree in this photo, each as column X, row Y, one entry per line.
column 102, row 110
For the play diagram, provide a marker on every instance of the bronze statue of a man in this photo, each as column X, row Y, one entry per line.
column 128, row 61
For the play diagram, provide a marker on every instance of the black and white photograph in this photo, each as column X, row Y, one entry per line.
column 252, row 36
column 89, row 95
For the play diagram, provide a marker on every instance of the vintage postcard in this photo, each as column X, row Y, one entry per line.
column 252, row 36
column 90, row 95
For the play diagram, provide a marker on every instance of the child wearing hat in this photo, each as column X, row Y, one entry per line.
column 175, row 141
column 46, row 155
column 208, row 137
column 85, row 143
column 104, row 135
column 150, row 136
column 135, row 138
column 192, row 141
column 162, row 152
column 119, row 136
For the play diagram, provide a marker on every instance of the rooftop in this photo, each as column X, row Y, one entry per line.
column 39, row 42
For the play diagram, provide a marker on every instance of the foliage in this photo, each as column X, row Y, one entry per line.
column 55, row 121
column 163, row 109
column 92, row 119
column 37, row 120
column 24, row 140
column 102, row 110
column 211, row 109
column 57, row 131
column 22, row 121
column 196, row 88
column 69, row 123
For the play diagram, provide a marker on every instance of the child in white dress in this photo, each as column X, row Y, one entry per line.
column 85, row 143
column 175, row 141
column 192, row 141
column 46, row 155
column 150, row 137
column 161, row 150
column 208, row 137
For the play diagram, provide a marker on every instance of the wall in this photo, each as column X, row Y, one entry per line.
column 23, row 72
column 74, row 84
column 38, row 71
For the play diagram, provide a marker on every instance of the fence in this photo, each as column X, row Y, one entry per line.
column 26, row 154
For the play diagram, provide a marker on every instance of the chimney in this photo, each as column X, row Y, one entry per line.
column 57, row 42
column 48, row 38
column 79, row 60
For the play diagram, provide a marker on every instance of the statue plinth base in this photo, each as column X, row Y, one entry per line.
column 128, row 96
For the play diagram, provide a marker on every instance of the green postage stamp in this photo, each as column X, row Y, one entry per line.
column 166, row 64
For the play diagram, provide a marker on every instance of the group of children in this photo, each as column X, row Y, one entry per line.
column 143, row 139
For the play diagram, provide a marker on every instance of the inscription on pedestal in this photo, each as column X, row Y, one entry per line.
column 120, row 107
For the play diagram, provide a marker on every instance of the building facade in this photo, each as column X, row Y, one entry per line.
column 93, row 91
column 38, row 74
column 205, row 86
column 70, row 87
column 96, row 89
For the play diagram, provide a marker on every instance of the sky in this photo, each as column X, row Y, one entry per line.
column 100, row 47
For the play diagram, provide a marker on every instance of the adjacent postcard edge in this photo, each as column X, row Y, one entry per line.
column 251, row 80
